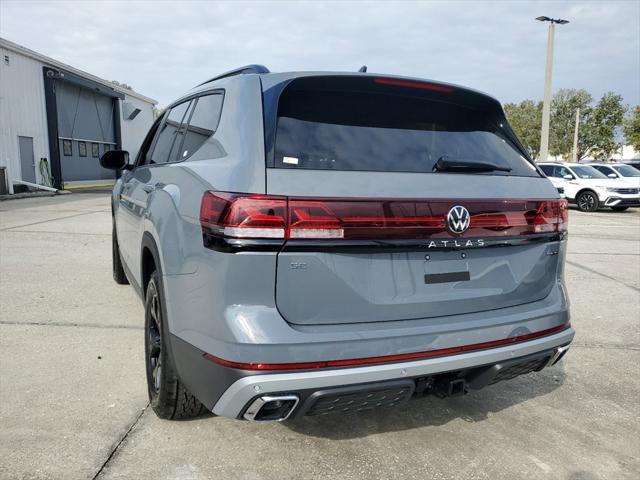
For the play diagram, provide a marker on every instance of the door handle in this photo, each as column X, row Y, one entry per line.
column 148, row 187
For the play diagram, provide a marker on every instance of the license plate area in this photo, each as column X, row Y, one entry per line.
column 446, row 277
column 446, row 267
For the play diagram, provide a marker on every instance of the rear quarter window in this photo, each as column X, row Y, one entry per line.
column 164, row 149
column 201, row 127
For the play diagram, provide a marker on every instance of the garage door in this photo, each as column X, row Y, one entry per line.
column 86, row 129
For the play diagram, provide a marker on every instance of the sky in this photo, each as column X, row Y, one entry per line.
column 164, row 48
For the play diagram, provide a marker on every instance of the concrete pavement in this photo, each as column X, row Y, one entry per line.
column 73, row 401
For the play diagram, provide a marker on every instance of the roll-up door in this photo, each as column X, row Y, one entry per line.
column 86, row 129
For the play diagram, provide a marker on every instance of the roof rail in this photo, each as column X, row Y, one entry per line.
column 239, row 71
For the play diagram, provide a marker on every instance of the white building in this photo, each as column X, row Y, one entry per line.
column 56, row 120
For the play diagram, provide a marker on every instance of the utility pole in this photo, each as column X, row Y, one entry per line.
column 546, row 103
column 575, row 137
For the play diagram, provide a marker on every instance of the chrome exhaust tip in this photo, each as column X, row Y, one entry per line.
column 271, row 408
column 557, row 356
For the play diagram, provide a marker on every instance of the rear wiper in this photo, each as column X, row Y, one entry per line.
column 445, row 164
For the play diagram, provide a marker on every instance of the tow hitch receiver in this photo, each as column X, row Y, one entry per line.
column 457, row 388
column 450, row 388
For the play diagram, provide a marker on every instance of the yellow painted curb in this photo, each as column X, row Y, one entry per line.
column 87, row 185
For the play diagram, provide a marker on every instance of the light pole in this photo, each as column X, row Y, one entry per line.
column 574, row 152
column 546, row 103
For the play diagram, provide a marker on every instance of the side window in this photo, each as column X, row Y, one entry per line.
column 164, row 143
column 547, row 169
column 202, row 125
column 562, row 171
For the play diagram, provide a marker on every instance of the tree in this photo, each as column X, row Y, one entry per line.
column 603, row 126
column 631, row 128
column 123, row 85
column 563, row 120
column 599, row 124
column 158, row 111
column 525, row 119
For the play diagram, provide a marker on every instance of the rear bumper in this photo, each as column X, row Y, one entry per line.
column 304, row 384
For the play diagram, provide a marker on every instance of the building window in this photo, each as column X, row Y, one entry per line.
column 106, row 147
column 82, row 149
column 67, row 151
column 95, row 150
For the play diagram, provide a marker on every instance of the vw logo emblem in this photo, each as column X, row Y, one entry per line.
column 458, row 219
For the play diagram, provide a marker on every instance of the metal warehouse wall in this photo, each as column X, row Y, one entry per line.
column 22, row 111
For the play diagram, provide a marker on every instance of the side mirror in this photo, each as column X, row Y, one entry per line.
column 115, row 160
column 568, row 177
column 612, row 175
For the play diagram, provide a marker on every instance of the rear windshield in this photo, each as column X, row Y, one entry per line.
column 334, row 130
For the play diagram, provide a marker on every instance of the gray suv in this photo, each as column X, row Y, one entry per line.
column 312, row 243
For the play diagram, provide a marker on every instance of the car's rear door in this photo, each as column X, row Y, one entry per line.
column 138, row 184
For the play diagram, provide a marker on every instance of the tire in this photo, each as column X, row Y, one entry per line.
column 168, row 397
column 619, row 209
column 118, row 271
column 587, row 201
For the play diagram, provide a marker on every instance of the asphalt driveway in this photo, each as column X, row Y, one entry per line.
column 73, row 402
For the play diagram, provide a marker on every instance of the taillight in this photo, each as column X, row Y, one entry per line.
column 363, row 219
column 243, row 216
column 253, row 216
column 551, row 216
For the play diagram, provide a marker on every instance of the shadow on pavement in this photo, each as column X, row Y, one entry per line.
column 432, row 411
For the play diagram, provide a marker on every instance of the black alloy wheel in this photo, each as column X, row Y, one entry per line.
column 587, row 202
column 168, row 396
column 154, row 338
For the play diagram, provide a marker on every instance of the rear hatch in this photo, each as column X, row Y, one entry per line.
column 404, row 200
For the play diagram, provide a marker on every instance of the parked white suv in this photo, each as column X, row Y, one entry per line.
column 619, row 171
column 590, row 189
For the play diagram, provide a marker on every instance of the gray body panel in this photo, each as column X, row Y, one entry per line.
column 367, row 287
column 250, row 307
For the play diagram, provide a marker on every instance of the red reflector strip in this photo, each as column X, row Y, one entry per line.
column 409, row 84
column 387, row 358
